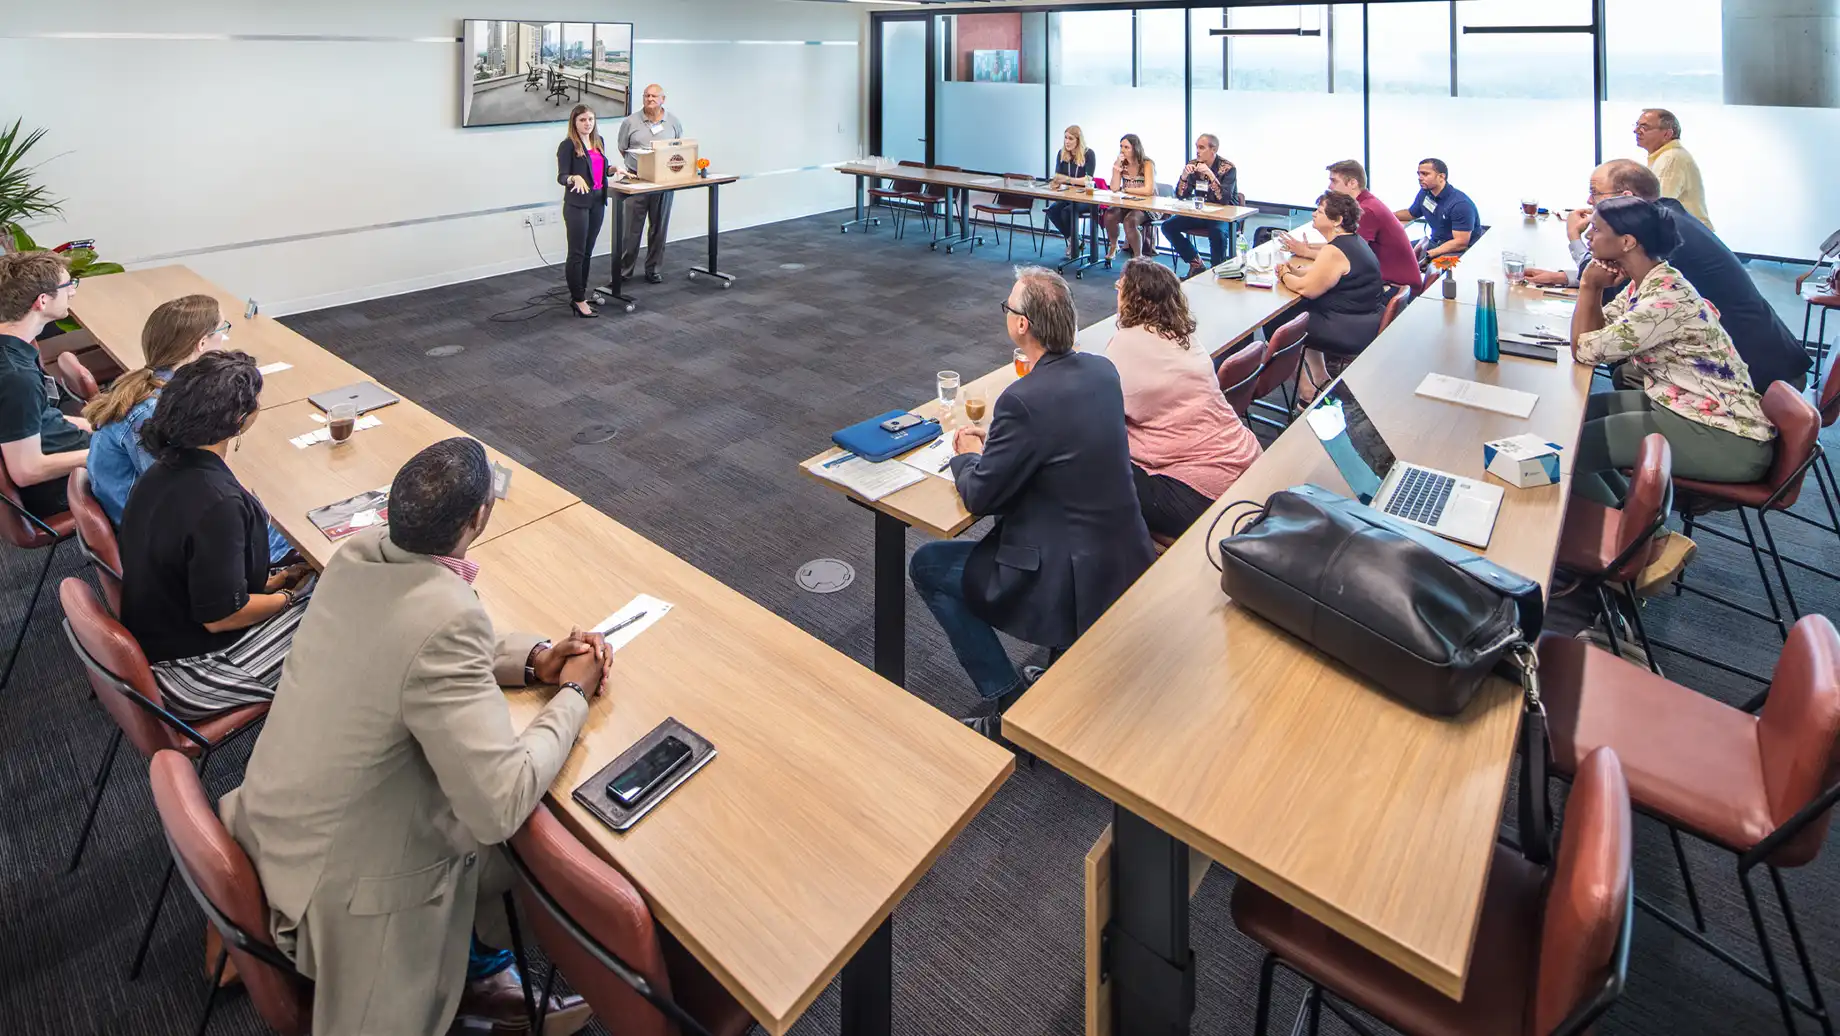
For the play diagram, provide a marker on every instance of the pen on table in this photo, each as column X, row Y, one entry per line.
column 623, row 623
column 839, row 460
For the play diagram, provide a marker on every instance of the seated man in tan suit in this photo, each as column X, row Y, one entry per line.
column 388, row 771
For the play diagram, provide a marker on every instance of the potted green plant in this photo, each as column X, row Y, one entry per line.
column 21, row 199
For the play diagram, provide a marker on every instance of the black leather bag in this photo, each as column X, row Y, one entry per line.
column 1424, row 619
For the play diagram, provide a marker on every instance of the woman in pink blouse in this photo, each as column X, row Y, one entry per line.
column 1187, row 444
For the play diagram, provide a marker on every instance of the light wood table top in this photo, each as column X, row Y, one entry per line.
column 115, row 308
column 291, row 481
column 1258, row 751
column 632, row 187
column 1225, row 311
column 832, row 792
column 995, row 184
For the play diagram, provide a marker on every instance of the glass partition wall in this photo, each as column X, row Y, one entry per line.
column 1500, row 90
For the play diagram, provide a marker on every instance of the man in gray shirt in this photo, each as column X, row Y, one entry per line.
column 650, row 123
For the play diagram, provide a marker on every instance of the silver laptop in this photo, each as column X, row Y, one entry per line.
column 365, row 395
column 1454, row 507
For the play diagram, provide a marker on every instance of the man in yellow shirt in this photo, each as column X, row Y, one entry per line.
column 1658, row 133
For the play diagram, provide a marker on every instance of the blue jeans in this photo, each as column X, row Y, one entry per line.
column 278, row 545
column 1176, row 228
column 938, row 571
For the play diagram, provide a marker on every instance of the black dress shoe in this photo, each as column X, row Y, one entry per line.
column 654, row 277
column 589, row 315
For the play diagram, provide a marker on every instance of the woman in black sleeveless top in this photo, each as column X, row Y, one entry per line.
column 1343, row 285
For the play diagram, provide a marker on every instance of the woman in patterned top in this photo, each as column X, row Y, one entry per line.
column 1695, row 390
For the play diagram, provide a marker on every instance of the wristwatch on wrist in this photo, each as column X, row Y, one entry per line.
column 530, row 661
column 577, row 687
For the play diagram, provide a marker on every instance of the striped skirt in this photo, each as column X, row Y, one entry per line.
column 246, row 673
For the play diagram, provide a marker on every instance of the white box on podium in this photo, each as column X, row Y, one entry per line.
column 669, row 161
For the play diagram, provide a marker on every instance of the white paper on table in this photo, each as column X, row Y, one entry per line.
column 935, row 458
column 870, row 480
column 654, row 610
column 1512, row 402
column 274, row 368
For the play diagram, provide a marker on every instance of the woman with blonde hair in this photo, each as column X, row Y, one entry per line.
column 583, row 168
column 1187, row 443
column 1073, row 169
column 176, row 333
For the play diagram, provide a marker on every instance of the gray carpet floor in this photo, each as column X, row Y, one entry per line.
column 716, row 395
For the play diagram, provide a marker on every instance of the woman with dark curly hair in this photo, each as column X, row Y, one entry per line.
column 196, row 588
column 1346, row 295
column 1187, row 443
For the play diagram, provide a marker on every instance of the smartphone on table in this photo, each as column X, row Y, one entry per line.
column 630, row 786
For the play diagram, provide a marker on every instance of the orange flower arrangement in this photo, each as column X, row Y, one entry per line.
column 1446, row 262
column 702, row 163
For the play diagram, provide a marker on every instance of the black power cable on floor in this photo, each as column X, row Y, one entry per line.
column 531, row 309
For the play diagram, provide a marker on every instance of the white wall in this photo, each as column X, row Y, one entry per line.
column 171, row 148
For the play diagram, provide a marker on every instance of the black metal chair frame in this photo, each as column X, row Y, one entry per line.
column 900, row 205
column 1252, row 412
column 37, row 589
column 205, row 746
column 234, row 936
column 1575, row 1024
column 1760, row 853
column 1688, row 518
column 602, row 955
column 1599, row 583
column 995, row 227
column 1830, row 249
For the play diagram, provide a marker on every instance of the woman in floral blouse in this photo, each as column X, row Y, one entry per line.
column 1695, row 390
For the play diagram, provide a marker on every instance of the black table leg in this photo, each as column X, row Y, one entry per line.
column 868, row 986
column 862, row 216
column 1147, row 952
column 710, row 270
column 619, row 247
column 891, row 598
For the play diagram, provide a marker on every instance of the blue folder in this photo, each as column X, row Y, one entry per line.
column 867, row 440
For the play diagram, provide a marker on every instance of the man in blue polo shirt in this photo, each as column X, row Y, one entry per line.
column 1447, row 211
column 38, row 443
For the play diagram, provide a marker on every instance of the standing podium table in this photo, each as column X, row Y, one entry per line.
column 624, row 189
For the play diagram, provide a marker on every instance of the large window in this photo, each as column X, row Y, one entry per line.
column 1281, row 88
column 1501, row 90
column 1096, row 71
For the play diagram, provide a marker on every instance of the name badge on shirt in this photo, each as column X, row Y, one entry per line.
column 1430, row 204
column 657, row 128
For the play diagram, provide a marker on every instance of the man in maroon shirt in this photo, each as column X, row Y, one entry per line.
column 1382, row 232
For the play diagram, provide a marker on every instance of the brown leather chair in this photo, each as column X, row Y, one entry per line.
column 1604, row 547
column 1827, row 403
column 1551, row 952
column 96, row 537
column 124, row 684
column 224, row 882
column 27, row 531
column 1238, row 374
column 1761, row 787
column 77, row 379
column 896, row 196
column 1011, row 205
column 1283, row 362
column 1798, row 428
column 933, row 197
column 595, row 927
column 1397, row 297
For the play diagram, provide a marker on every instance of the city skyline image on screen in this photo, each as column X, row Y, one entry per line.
column 518, row 72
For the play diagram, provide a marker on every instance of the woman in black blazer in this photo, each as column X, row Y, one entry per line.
column 583, row 168
column 1073, row 168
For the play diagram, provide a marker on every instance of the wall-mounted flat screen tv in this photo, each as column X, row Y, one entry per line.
column 519, row 72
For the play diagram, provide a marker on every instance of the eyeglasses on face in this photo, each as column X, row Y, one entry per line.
column 1007, row 308
column 221, row 328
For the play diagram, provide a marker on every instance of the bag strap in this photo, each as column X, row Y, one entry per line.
column 1535, row 819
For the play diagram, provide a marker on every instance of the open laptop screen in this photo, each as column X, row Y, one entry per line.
column 1354, row 444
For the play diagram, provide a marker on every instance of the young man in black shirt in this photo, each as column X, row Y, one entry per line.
column 38, row 443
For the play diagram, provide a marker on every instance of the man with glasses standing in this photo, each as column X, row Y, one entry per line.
column 1658, row 133
column 39, row 444
column 650, row 124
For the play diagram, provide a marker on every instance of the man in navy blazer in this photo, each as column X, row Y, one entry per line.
column 1055, row 470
